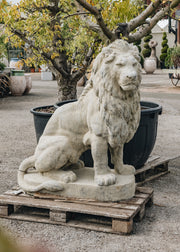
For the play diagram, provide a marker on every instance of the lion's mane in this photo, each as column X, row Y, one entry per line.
column 119, row 109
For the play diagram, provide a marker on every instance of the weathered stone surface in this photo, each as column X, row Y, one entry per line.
column 106, row 116
column 85, row 187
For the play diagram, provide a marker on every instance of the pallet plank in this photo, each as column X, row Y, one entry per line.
column 134, row 201
column 64, row 206
column 147, row 190
column 105, row 204
column 152, row 170
column 112, row 217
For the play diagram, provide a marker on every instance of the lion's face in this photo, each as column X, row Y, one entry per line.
column 124, row 70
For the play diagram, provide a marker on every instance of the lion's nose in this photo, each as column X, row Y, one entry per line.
column 131, row 75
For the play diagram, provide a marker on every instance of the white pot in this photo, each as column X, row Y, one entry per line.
column 18, row 83
column 150, row 65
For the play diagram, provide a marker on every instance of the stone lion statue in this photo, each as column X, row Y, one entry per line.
column 106, row 116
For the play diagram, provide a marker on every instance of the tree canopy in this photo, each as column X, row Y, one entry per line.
column 66, row 34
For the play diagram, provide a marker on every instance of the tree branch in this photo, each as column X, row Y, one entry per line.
column 97, row 14
column 174, row 4
column 139, row 20
column 89, row 24
column 153, row 21
column 87, row 61
column 58, row 66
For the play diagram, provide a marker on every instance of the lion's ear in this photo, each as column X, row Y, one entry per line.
column 109, row 58
column 137, row 57
column 135, row 53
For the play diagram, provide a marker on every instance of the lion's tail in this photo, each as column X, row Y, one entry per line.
column 50, row 185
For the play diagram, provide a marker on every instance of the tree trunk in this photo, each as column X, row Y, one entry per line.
column 66, row 89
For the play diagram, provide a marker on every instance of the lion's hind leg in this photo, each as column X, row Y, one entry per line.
column 55, row 158
column 126, row 170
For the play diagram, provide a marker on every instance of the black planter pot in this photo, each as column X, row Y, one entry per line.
column 136, row 152
column 40, row 119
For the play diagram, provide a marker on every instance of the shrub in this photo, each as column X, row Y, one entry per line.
column 146, row 52
column 138, row 43
column 173, row 57
column 176, row 56
column 164, row 48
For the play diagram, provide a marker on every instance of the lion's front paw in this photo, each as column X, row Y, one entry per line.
column 68, row 176
column 126, row 170
column 105, row 179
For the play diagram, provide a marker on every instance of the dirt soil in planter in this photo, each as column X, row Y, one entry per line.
column 46, row 110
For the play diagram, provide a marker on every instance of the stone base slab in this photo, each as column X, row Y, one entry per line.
column 85, row 187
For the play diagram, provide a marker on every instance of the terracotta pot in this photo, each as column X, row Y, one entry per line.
column 28, row 83
column 18, row 82
column 32, row 70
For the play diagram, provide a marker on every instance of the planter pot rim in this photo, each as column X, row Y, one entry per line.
column 58, row 104
column 38, row 113
column 151, row 107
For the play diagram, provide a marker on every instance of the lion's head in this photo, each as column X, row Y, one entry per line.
column 115, row 78
column 119, row 63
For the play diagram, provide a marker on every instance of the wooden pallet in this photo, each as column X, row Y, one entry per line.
column 153, row 169
column 112, row 217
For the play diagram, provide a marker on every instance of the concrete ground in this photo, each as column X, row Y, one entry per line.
column 158, row 231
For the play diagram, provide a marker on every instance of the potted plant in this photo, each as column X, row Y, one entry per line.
column 173, row 63
column 18, row 82
column 32, row 68
column 173, row 58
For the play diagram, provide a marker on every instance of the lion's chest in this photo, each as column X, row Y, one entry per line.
column 122, row 120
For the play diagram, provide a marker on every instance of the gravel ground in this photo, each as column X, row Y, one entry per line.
column 158, row 231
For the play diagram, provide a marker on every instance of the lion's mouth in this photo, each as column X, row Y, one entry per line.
column 129, row 87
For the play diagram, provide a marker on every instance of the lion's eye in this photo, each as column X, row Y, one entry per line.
column 135, row 64
column 120, row 63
